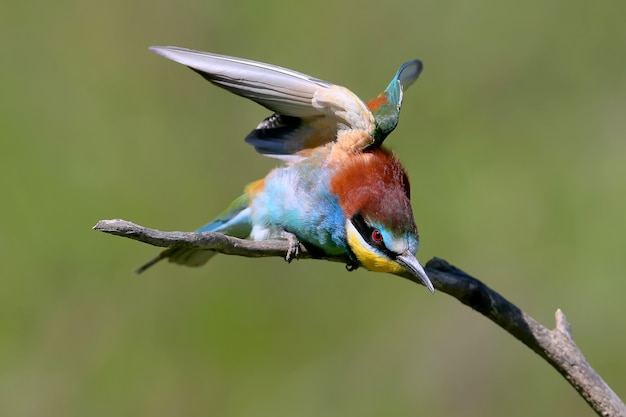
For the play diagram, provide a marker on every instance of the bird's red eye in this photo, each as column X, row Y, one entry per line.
column 377, row 236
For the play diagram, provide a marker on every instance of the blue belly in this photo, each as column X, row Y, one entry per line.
column 297, row 199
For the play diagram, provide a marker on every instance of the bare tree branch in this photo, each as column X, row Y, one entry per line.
column 556, row 346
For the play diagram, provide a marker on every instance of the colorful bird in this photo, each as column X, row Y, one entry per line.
column 339, row 189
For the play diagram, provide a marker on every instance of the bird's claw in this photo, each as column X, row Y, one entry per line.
column 294, row 246
column 351, row 266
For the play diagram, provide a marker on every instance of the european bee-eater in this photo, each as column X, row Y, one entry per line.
column 339, row 189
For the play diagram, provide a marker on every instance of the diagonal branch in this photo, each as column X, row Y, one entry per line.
column 555, row 346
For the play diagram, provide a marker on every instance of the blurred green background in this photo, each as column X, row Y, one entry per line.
column 514, row 141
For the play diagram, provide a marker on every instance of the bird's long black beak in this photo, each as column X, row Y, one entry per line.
column 413, row 267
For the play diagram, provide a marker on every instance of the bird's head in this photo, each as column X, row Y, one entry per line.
column 380, row 230
column 383, row 237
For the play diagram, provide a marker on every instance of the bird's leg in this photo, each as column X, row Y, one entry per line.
column 294, row 245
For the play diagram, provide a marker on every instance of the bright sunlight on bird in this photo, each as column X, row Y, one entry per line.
column 339, row 190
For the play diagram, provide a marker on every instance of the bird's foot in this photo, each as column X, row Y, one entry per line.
column 353, row 262
column 294, row 245
column 351, row 266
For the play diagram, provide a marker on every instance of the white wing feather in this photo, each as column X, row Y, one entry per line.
column 280, row 89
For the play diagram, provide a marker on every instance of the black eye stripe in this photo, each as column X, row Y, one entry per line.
column 361, row 226
column 366, row 231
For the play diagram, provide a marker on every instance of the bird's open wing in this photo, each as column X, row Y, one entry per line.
column 386, row 106
column 308, row 111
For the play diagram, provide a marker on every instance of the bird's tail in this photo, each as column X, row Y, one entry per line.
column 234, row 221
